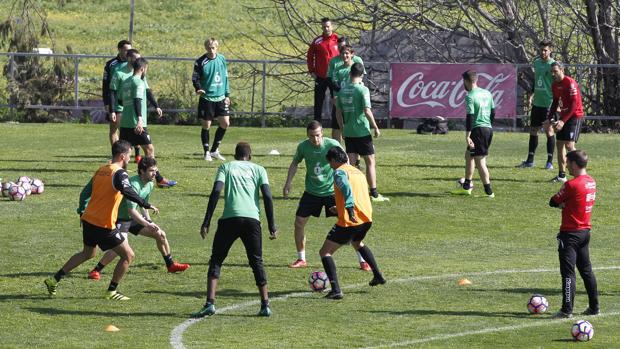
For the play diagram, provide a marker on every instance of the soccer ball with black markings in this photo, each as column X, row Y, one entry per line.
column 24, row 179
column 537, row 304
column 17, row 192
column 582, row 331
column 37, row 186
column 318, row 281
column 27, row 187
column 5, row 188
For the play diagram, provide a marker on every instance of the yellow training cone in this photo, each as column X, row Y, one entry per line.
column 111, row 328
column 464, row 282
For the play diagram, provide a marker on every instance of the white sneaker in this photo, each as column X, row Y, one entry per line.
column 216, row 154
column 558, row 179
column 208, row 156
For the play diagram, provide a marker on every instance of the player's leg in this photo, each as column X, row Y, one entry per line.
column 550, row 144
column 568, row 259
column 107, row 258
column 114, row 129
column 585, row 270
column 126, row 254
column 483, row 171
column 332, row 243
column 360, row 247
column 353, row 158
column 561, row 147
column 371, row 174
column 163, row 246
column 224, row 122
column 300, row 242
column 205, row 120
column 320, row 87
column 74, row 261
column 536, row 118
column 251, row 236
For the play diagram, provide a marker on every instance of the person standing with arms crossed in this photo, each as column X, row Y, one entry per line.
column 319, row 187
column 539, row 101
column 321, row 50
column 241, row 181
column 210, row 80
column 576, row 199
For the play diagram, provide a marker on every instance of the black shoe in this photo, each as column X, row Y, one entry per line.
column 334, row 295
column 590, row 311
column 562, row 315
column 377, row 281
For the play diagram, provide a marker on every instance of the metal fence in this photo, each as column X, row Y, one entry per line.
column 259, row 88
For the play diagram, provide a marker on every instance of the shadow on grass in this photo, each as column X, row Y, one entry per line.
column 423, row 312
column 12, row 297
column 564, row 340
column 414, row 194
column 39, row 170
column 224, row 292
column 543, row 291
column 105, row 313
column 31, row 273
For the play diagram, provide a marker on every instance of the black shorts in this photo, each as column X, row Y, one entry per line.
column 359, row 145
column 344, row 235
column 208, row 110
column 570, row 131
column 538, row 116
column 482, row 137
column 105, row 238
column 129, row 226
column 311, row 205
column 335, row 125
column 128, row 134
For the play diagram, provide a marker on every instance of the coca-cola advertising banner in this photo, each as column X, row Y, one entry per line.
column 426, row 90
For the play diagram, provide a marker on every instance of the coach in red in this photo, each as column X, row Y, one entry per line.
column 567, row 96
column 322, row 49
column 576, row 199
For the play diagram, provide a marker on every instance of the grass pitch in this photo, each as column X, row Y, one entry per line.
column 424, row 240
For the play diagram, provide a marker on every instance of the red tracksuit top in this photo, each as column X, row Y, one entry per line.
column 567, row 95
column 578, row 196
column 321, row 51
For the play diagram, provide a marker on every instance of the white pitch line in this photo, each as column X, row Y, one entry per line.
column 176, row 336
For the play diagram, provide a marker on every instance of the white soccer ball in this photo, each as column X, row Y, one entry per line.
column 24, row 179
column 37, row 186
column 318, row 281
column 582, row 331
column 5, row 188
column 17, row 192
column 537, row 304
column 27, row 187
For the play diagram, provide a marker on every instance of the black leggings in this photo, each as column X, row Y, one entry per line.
column 573, row 248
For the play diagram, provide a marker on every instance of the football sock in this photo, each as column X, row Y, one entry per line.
column 330, row 270
column 59, row 275
column 168, row 260
column 301, row 255
column 467, row 184
column 370, row 259
column 374, row 193
column 561, row 174
column 217, row 140
column 360, row 258
column 209, row 301
column 99, row 267
column 550, row 148
column 533, row 144
column 264, row 303
column 204, row 137
column 487, row 189
column 137, row 150
column 158, row 177
column 113, row 286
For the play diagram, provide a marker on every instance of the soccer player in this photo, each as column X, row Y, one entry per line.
column 115, row 64
column 354, row 219
column 338, row 74
column 241, row 181
column 567, row 95
column 321, row 50
column 133, row 127
column 210, row 80
column 319, row 188
column 480, row 110
column 576, row 199
column 130, row 220
column 539, row 101
column 106, row 190
column 355, row 119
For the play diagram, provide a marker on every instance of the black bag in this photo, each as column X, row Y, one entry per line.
column 433, row 126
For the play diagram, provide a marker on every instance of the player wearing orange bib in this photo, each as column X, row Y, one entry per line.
column 354, row 219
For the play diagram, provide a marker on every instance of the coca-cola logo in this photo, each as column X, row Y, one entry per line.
column 416, row 91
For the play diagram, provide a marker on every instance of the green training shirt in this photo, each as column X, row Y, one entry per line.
column 144, row 191
column 319, row 175
column 133, row 87
column 242, row 181
column 479, row 103
column 214, row 78
column 352, row 100
column 116, row 83
column 542, row 83
column 339, row 72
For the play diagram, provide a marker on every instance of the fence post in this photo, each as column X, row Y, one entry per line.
column 389, row 116
column 76, row 86
column 264, row 106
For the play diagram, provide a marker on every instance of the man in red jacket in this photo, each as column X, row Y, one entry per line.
column 567, row 96
column 322, row 49
column 576, row 199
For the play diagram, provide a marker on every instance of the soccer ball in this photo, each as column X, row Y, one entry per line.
column 582, row 331
column 537, row 304
column 37, row 186
column 27, row 187
column 17, row 192
column 318, row 281
column 24, row 179
column 5, row 188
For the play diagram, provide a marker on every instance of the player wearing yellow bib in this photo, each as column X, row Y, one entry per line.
column 106, row 190
column 354, row 219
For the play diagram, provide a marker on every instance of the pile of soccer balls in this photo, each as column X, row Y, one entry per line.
column 24, row 186
column 582, row 330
